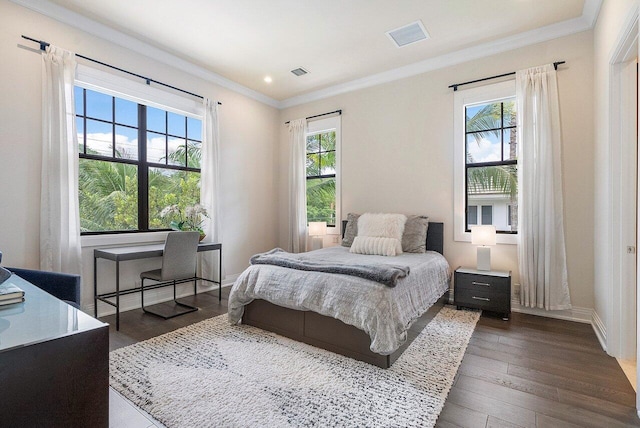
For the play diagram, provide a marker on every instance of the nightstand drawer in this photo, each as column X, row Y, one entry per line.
column 483, row 299
column 482, row 282
column 490, row 290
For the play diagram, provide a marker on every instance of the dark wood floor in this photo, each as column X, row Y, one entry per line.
column 136, row 325
column 534, row 371
column 527, row 372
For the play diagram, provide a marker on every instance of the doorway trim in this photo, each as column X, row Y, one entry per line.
column 622, row 323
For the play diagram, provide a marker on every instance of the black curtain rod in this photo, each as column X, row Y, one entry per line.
column 455, row 85
column 318, row 115
column 43, row 46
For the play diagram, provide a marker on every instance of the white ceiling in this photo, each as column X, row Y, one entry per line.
column 337, row 41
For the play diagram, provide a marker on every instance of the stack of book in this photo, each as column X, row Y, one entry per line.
column 9, row 294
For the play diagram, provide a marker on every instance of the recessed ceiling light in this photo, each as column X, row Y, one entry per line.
column 268, row 79
column 408, row 34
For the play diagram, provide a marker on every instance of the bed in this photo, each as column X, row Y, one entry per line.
column 357, row 329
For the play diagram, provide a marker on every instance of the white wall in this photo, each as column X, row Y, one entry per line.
column 249, row 141
column 611, row 19
column 397, row 150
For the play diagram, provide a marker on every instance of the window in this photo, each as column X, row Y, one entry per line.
column 323, row 138
column 487, row 214
column 486, row 180
column 135, row 160
column 472, row 215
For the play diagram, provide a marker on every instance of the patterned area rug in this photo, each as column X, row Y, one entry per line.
column 214, row 374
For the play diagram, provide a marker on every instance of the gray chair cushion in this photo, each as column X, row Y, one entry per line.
column 156, row 275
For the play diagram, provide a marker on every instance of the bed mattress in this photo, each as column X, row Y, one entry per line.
column 384, row 313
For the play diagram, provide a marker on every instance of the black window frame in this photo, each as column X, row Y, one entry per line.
column 503, row 162
column 319, row 152
column 141, row 163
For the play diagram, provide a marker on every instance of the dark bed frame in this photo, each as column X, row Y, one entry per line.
column 332, row 334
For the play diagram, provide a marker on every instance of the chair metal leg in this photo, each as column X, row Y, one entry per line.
column 188, row 308
column 142, row 294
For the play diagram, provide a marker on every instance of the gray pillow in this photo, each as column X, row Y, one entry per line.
column 351, row 229
column 414, row 238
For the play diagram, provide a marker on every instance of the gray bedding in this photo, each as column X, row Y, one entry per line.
column 382, row 273
column 383, row 312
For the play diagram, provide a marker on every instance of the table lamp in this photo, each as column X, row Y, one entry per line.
column 483, row 236
column 317, row 230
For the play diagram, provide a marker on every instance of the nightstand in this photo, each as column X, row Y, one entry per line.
column 487, row 290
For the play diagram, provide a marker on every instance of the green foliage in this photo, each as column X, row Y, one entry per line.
column 321, row 200
column 108, row 195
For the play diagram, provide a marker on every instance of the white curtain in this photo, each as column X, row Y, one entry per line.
column 210, row 188
column 59, row 213
column 541, row 251
column 297, row 186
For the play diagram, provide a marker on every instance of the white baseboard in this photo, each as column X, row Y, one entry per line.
column 583, row 315
column 132, row 301
column 600, row 329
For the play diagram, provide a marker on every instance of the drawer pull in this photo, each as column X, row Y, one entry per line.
column 484, row 299
column 484, row 284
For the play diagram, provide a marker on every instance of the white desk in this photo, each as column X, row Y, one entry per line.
column 118, row 254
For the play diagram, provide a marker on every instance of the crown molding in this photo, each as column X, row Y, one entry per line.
column 73, row 19
column 585, row 22
column 590, row 12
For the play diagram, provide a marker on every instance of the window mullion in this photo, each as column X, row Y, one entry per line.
column 143, row 170
column 502, row 130
column 84, row 120
column 113, row 126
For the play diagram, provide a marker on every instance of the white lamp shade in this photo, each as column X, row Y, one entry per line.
column 483, row 235
column 317, row 228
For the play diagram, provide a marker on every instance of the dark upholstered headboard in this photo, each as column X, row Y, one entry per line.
column 435, row 236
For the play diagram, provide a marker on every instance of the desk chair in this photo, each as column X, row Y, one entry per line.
column 179, row 261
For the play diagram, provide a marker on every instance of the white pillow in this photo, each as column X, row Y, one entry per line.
column 376, row 246
column 390, row 227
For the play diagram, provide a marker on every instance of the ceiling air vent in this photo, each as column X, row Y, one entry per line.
column 299, row 71
column 408, row 34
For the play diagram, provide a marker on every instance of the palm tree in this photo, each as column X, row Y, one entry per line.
column 321, row 192
column 191, row 152
column 107, row 195
column 108, row 192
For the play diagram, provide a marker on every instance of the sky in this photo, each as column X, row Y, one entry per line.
column 99, row 134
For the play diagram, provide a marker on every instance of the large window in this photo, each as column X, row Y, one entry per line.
column 323, row 140
column 134, row 161
column 486, row 161
column 491, row 162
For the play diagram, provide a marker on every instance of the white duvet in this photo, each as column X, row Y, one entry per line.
column 384, row 313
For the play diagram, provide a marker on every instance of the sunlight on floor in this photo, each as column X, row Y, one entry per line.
column 629, row 369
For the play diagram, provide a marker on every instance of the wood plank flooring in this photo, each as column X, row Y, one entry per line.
column 538, row 372
column 527, row 372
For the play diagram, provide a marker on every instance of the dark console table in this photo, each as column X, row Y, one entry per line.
column 54, row 363
column 121, row 254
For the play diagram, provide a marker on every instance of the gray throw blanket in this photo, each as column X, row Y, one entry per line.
column 382, row 273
